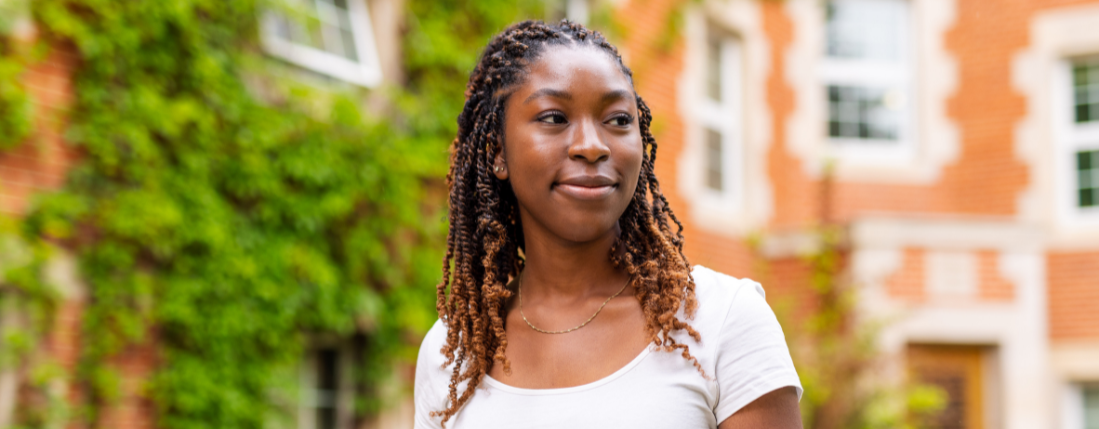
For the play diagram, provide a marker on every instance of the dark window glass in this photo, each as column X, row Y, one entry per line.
column 713, row 68
column 327, row 376
column 1085, row 89
column 1091, row 407
column 1087, row 178
column 715, row 153
column 865, row 113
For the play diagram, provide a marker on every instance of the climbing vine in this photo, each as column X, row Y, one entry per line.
column 15, row 104
column 28, row 302
column 222, row 212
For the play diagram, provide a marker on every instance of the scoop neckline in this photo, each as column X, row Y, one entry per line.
column 496, row 384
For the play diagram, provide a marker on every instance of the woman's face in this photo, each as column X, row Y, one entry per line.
column 572, row 143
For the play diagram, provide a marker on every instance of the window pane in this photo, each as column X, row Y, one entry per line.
column 858, row 112
column 714, row 156
column 1085, row 85
column 865, row 29
column 320, row 24
column 327, row 376
column 1091, row 407
column 713, row 68
column 1087, row 178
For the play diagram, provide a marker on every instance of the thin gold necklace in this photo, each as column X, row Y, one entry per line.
column 520, row 287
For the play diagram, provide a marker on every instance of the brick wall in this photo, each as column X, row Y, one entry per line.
column 909, row 281
column 987, row 178
column 40, row 163
column 1073, row 281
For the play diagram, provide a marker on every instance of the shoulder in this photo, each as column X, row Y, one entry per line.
column 432, row 379
column 743, row 339
column 723, row 299
column 431, row 356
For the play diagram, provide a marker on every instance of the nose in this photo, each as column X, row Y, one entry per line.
column 587, row 145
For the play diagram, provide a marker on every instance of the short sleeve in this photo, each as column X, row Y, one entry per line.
column 431, row 382
column 752, row 359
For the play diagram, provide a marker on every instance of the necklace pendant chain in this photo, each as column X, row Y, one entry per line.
column 565, row 331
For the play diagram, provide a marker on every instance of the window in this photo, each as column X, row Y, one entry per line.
column 1091, row 407
column 714, row 166
column 1085, row 131
column 1087, row 173
column 718, row 113
column 1085, row 91
column 326, row 389
column 331, row 37
column 866, row 74
column 1079, row 120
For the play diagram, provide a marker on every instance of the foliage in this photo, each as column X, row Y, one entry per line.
column 836, row 357
column 28, row 303
column 15, row 103
column 222, row 213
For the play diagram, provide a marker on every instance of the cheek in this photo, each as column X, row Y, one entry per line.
column 631, row 161
column 528, row 164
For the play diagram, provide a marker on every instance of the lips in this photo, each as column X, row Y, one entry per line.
column 586, row 187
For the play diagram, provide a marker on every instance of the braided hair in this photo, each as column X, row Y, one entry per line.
column 485, row 237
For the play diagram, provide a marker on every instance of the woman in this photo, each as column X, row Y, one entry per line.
column 570, row 301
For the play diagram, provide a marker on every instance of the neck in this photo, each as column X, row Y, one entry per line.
column 557, row 269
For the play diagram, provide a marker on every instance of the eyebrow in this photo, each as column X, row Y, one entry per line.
column 550, row 92
column 565, row 95
column 615, row 95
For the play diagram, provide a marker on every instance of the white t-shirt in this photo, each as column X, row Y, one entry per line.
column 742, row 351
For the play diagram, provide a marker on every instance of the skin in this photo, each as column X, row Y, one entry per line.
column 572, row 154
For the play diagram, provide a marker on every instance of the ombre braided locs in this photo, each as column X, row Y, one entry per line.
column 485, row 237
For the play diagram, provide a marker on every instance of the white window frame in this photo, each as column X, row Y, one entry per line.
column 364, row 72
column 1071, row 138
column 876, row 73
column 725, row 117
column 345, row 393
column 1072, row 404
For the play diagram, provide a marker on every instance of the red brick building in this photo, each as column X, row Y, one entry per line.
column 961, row 139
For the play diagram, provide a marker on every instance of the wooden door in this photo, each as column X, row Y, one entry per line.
column 958, row 370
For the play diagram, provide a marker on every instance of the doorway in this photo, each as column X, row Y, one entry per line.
column 961, row 372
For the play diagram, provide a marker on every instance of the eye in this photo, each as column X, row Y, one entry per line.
column 621, row 120
column 553, row 117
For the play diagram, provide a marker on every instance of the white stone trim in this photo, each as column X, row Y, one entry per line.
column 1072, row 406
column 578, row 11
column 1017, row 329
column 1038, row 73
column 748, row 205
column 1076, row 366
column 937, row 142
column 944, row 234
column 366, row 71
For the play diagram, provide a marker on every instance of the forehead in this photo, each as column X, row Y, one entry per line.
column 575, row 66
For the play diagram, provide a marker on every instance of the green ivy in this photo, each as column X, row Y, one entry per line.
column 15, row 103
column 223, row 210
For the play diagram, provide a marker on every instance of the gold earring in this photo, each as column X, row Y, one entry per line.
column 498, row 169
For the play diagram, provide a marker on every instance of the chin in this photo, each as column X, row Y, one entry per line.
column 586, row 230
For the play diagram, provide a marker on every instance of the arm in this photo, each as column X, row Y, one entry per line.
column 775, row 410
column 431, row 380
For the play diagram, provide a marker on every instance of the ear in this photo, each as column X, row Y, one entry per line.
column 499, row 166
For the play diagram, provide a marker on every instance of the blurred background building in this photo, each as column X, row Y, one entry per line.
column 954, row 144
